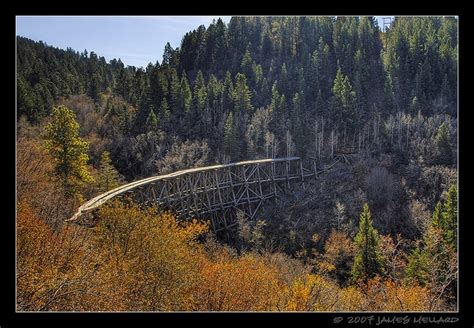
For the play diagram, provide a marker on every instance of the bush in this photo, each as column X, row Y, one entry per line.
column 380, row 186
column 184, row 155
column 36, row 185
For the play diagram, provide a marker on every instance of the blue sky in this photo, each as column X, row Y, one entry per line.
column 136, row 40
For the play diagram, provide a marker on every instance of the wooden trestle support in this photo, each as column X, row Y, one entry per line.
column 214, row 192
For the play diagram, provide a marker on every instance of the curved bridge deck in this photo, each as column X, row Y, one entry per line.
column 203, row 192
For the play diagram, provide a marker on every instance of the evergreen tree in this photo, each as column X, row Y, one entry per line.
column 315, row 69
column 200, row 93
column 108, row 175
column 432, row 264
column 168, row 54
column 94, row 87
column 246, row 64
column 445, row 96
column 450, row 217
column 25, row 100
column 417, row 269
column 263, row 95
column 165, row 112
column 231, row 144
column 389, row 98
column 283, row 83
column 67, row 149
column 343, row 100
column 275, row 102
column 198, row 119
column 158, row 87
column 242, row 99
column 443, row 145
column 185, row 97
column 298, row 127
column 151, row 121
column 228, row 93
column 367, row 261
column 437, row 218
column 320, row 104
column 215, row 88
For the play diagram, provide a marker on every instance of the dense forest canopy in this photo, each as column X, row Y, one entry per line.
column 344, row 70
column 257, row 87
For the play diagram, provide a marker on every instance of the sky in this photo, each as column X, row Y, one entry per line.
column 136, row 40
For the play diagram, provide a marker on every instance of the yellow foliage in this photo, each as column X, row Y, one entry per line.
column 36, row 186
column 338, row 254
column 351, row 299
column 136, row 259
column 162, row 256
column 312, row 293
column 324, row 267
column 57, row 271
column 389, row 295
column 243, row 283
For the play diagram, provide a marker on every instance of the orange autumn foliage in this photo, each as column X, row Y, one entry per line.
column 136, row 259
column 58, row 271
column 36, row 185
column 244, row 283
column 158, row 259
column 390, row 295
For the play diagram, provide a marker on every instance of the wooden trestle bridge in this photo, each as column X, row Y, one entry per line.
column 213, row 192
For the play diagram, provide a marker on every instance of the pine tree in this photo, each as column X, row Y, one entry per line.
column 437, row 218
column 246, row 63
column 185, row 97
column 298, row 128
column 343, row 100
column 275, row 98
column 108, row 175
column 277, row 115
column 450, row 216
column 165, row 112
column 368, row 261
column 197, row 119
column 320, row 105
column 283, row 84
column 25, row 100
column 94, row 87
column 184, row 104
column 389, row 99
column 168, row 53
column 417, row 267
column 158, row 87
column 228, row 93
column 443, row 144
column 200, row 93
column 433, row 264
column 67, row 149
column 415, row 106
column 151, row 121
column 263, row 95
column 315, row 70
column 242, row 99
column 231, row 144
column 174, row 92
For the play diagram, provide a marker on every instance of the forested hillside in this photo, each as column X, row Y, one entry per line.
column 257, row 87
